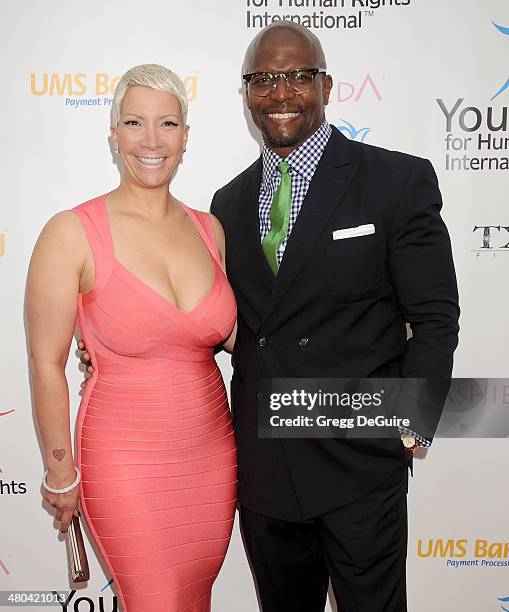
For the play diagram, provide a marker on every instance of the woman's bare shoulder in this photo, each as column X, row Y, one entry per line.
column 65, row 232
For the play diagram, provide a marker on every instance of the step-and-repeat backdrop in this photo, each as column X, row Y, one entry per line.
column 428, row 77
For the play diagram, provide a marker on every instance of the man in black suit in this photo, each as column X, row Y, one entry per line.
column 326, row 279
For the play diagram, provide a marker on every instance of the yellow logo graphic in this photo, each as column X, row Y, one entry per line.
column 2, row 244
column 441, row 548
column 82, row 83
column 58, row 84
column 479, row 549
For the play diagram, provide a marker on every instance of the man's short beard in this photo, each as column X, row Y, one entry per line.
column 284, row 142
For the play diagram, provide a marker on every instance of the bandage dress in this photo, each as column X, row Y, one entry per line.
column 154, row 439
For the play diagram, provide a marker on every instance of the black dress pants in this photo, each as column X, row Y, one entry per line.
column 361, row 546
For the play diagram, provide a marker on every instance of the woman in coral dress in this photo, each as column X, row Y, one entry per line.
column 141, row 275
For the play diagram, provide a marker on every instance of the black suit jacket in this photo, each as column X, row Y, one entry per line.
column 351, row 299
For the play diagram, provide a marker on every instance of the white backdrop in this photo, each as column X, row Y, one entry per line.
column 391, row 61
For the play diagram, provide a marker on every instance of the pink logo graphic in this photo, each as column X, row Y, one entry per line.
column 4, row 567
column 355, row 91
column 4, row 413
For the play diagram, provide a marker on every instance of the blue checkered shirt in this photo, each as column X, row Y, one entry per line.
column 303, row 162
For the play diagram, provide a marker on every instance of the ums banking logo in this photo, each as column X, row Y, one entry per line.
column 84, row 89
column 465, row 553
column 72, row 84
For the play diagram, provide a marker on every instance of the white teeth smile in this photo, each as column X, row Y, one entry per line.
column 283, row 115
column 151, row 161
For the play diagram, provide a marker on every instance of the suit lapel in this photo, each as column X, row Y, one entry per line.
column 331, row 179
column 248, row 222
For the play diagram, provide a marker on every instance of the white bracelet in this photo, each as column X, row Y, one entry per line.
column 72, row 486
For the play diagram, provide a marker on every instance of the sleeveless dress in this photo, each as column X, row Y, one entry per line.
column 154, row 438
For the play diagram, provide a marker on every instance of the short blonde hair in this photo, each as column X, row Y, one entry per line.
column 148, row 75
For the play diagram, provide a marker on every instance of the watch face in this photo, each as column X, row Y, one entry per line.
column 408, row 441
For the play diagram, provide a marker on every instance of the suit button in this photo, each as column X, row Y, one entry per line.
column 303, row 342
column 259, row 396
column 262, row 342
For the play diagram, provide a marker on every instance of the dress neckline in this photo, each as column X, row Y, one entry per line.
column 158, row 297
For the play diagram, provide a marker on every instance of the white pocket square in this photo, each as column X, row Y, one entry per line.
column 353, row 232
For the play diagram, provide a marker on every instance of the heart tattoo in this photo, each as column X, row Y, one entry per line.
column 59, row 453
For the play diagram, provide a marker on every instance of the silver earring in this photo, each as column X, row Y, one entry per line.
column 115, row 148
column 184, row 150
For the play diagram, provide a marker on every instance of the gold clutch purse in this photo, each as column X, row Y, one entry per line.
column 78, row 562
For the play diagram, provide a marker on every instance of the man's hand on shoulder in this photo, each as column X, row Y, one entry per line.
column 86, row 360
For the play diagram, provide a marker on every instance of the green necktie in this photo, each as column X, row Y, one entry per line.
column 279, row 217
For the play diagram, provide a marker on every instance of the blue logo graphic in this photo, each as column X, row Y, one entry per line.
column 505, row 31
column 352, row 133
column 109, row 583
column 504, row 600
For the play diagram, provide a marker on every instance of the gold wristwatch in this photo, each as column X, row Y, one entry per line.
column 409, row 442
